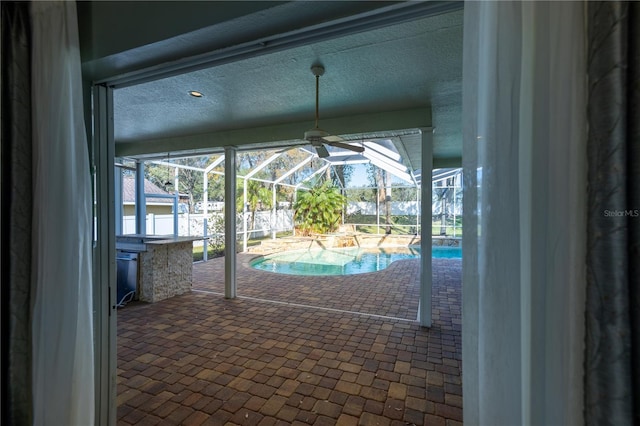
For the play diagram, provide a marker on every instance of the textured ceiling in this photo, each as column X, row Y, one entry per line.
column 416, row 64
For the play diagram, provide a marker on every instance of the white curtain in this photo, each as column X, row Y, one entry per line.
column 63, row 373
column 524, row 161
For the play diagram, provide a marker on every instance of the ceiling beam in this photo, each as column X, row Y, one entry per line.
column 445, row 163
column 262, row 137
column 395, row 13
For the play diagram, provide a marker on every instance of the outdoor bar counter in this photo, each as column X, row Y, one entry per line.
column 165, row 264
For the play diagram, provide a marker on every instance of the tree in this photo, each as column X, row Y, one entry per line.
column 215, row 230
column 258, row 196
column 215, row 188
column 189, row 180
column 381, row 180
column 250, row 159
column 158, row 175
column 342, row 175
column 319, row 210
column 443, row 194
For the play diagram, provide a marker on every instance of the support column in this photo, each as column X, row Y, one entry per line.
column 454, row 206
column 118, row 197
column 426, row 272
column 417, row 210
column 205, row 231
column 377, row 209
column 245, row 235
column 141, row 202
column 176, row 201
column 274, row 222
column 293, row 219
column 229, row 222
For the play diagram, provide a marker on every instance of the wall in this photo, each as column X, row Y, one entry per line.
column 130, row 210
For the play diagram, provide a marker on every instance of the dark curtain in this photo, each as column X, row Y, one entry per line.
column 612, row 378
column 16, row 213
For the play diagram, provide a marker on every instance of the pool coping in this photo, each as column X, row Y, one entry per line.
column 347, row 240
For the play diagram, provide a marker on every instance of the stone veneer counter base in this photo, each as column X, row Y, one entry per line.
column 166, row 268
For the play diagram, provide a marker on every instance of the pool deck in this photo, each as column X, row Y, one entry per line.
column 294, row 350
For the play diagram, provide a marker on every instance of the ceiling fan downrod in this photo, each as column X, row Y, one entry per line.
column 317, row 70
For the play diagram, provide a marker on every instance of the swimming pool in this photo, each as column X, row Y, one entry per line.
column 343, row 261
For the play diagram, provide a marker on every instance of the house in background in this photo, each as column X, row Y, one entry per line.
column 155, row 205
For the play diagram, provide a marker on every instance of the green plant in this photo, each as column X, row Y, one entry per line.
column 215, row 231
column 319, row 210
column 258, row 196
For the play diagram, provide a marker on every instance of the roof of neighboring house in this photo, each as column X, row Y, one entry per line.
column 129, row 192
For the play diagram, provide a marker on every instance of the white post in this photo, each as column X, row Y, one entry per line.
column 454, row 207
column 141, row 202
column 377, row 209
column 119, row 203
column 387, row 205
column 151, row 217
column 274, row 221
column 176, row 200
column 244, row 215
column 293, row 218
column 343, row 191
column 205, row 231
column 417, row 210
column 426, row 278
column 230, row 222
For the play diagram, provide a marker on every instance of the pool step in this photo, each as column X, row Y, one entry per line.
column 271, row 246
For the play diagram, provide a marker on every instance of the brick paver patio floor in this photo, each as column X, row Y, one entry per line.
column 294, row 350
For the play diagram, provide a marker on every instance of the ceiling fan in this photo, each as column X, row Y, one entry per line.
column 318, row 137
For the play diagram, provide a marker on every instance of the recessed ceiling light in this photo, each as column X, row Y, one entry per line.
column 195, row 94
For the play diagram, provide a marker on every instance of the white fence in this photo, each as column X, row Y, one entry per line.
column 193, row 224
column 410, row 208
column 265, row 223
column 403, row 208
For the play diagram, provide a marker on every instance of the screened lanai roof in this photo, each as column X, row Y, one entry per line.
column 443, row 174
column 381, row 153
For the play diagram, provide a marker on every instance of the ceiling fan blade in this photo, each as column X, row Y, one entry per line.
column 354, row 148
column 332, row 138
column 291, row 147
column 321, row 150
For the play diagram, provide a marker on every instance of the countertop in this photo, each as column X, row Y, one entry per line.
column 170, row 239
column 137, row 242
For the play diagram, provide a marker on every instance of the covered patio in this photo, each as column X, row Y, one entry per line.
column 294, row 350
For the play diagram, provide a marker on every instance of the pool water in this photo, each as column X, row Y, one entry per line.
column 343, row 261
